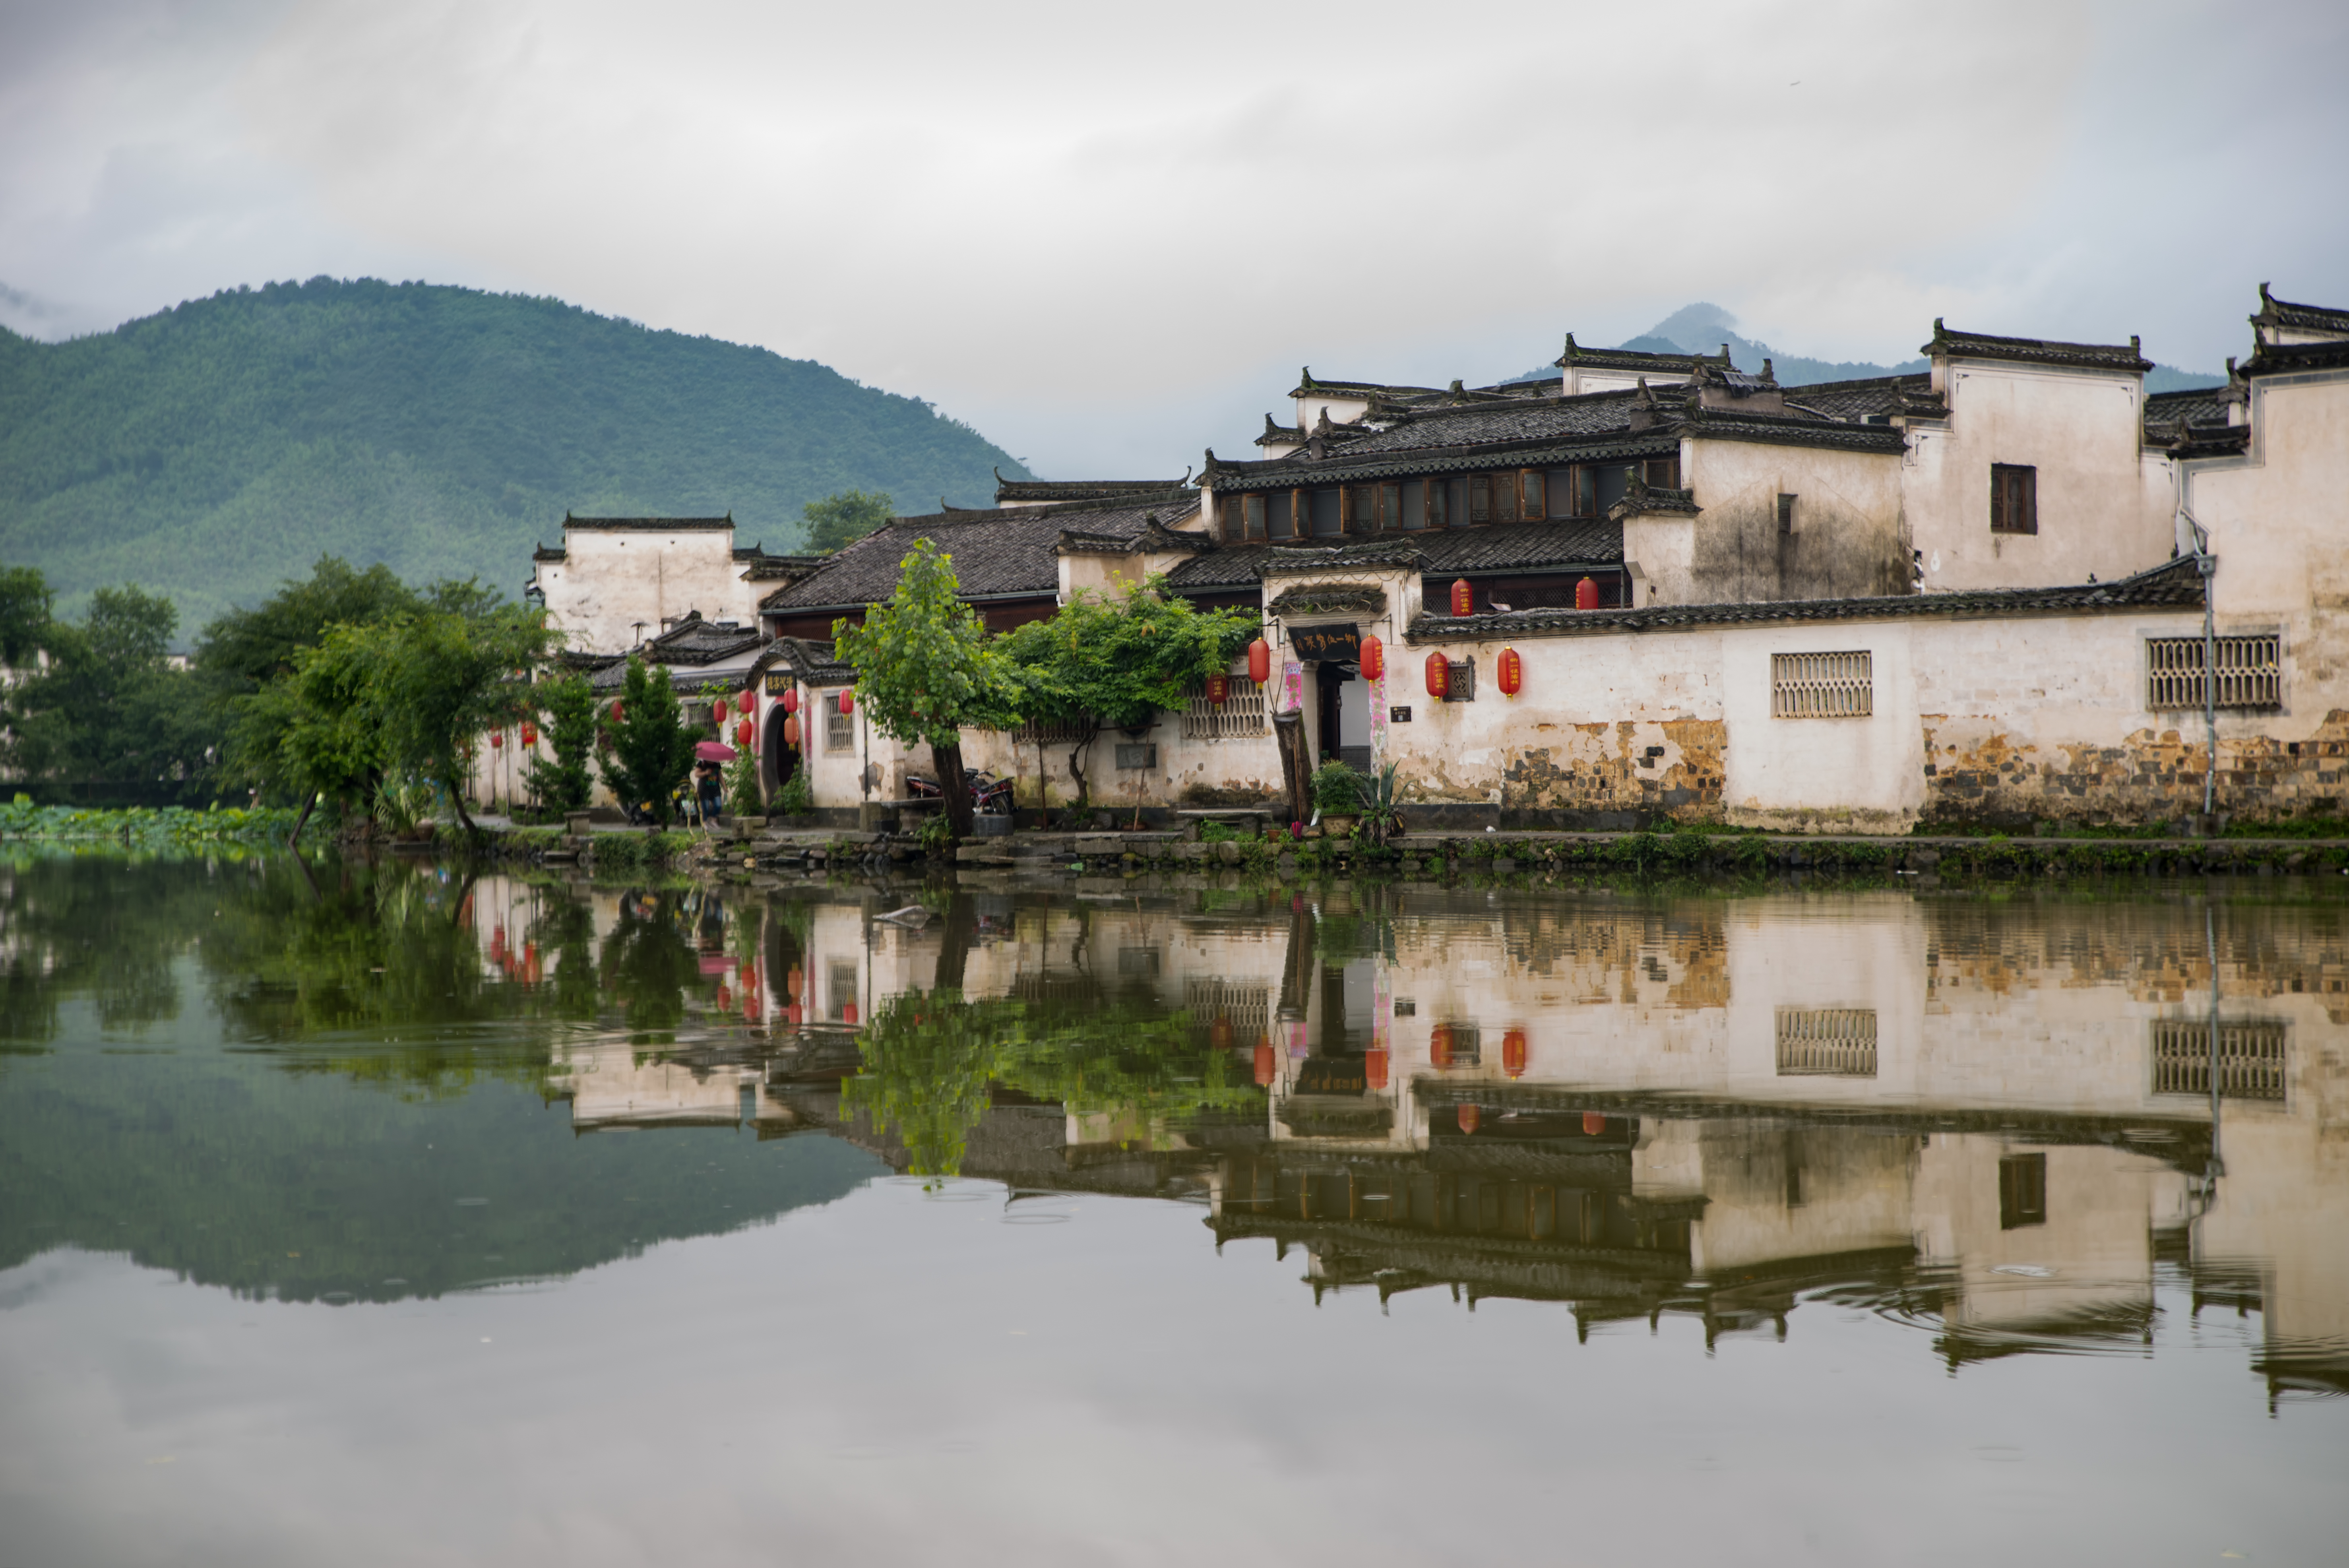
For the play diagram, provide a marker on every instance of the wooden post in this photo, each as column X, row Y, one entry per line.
column 1288, row 730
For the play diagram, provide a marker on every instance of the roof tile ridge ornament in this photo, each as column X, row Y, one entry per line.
column 1644, row 407
column 1456, row 392
column 1769, row 373
column 1305, row 378
column 1567, row 358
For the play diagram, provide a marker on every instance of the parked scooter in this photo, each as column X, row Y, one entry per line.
column 988, row 794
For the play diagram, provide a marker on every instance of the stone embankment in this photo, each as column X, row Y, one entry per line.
column 1093, row 861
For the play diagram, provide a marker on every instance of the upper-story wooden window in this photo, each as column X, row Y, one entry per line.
column 1356, row 508
column 1227, row 517
column 1582, row 492
column 1252, row 516
column 1480, row 498
column 2014, row 499
column 1533, row 495
column 1280, row 514
column 1438, row 505
column 1663, row 473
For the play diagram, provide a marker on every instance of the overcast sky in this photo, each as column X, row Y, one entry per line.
column 1109, row 236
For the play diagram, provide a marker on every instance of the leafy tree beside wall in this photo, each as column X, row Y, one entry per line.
column 101, row 703
column 844, row 518
column 567, row 780
column 651, row 750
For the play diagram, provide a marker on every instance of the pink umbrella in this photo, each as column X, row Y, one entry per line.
column 713, row 751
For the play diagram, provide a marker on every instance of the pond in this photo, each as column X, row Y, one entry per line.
column 387, row 1214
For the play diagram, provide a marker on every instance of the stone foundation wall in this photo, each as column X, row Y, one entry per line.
column 1977, row 771
column 1671, row 768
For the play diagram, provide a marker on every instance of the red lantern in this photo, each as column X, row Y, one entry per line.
column 1464, row 598
column 1593, row 1123
column 530, row 734
column 1439, row 676
column 848, row 699
column 1439, row 1045
column 1264, row 1064
column 791, row 729
column 1511, row 671
column 791, row 983
column 1219, row 686
column 792, row 700
column 1220, row 1035
column 725, row 1000
column 1586, row 595
column 497, row 739
column 848, row 1013
column 742, row 733
column 1374, row 658
column 616, row 715
column 1261, row 661
column 746, row 702
column 1512, row 1053
column 720, row 712
column 1469, row 1117
column 1374, row 1069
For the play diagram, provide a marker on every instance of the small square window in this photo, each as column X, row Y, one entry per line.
column 1785, row 515
column 2014, row 499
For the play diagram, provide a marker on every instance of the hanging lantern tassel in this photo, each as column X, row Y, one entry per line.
column 1374, row 658
column 1464, row 597
column 1512, row 672
column 1261, row 661
column 1439, row 676
column 1219, row 686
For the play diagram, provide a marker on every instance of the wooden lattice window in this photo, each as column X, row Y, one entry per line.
column 1051, row 732
column 1439, row 502
column 1246, row 1009
column 1821, row 685
column 1832, row 1042
column 1252, row 511
column 1239, row 715
column 839, row 729
column 2251, row 671
column 2014, row 499
column 2251, row 1057
column 1533, row 494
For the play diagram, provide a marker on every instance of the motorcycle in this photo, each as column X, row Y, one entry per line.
column 988, row 794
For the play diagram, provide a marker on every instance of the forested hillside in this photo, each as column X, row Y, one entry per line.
column 213, row 451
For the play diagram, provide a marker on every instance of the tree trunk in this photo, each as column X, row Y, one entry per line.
column 1077, row 767
column 947, row 761
column 309, row 804
column 456, row 803
column 1288, row 730
column 960, row 931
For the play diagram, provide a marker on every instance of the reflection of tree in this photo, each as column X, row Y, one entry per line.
column 648, row 966
column 932, row 1059
column 102, row 926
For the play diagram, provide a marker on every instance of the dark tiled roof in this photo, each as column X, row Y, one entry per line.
column 1307, row 386
column 647, row 525
column 1046, row 491
column 1278, row 433
column 1000, row 552
column 2282, row 314
column 811, row 659
column 1790, row 429
column 698, row 641
column 1497, row 548
column 2209, row 441
column 1857, row 400
column 1635, row 359
column 544, row 554
column 781, row 568
column 2279, row 359
column 1324, row 599
column 2034, row 350
column 1642, row 499
column 2175, row 585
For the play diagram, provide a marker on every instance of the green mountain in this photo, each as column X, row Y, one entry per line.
column 212, row 451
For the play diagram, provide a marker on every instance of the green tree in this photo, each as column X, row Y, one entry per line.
column 651, row 748
column 567, row 780
column 1118, row 660
column 442, row 677
column 927, row 670
column 242, row 650
column 845, row 517
column 107, row 705
column 25, row 601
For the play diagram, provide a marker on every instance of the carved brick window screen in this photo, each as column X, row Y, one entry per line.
column 1830, row 1042
column 1822, row 685
column 1051, row 732
column 1248, row 1008
column 2251, row 671
column 1240, row 715
column 2251, row 1057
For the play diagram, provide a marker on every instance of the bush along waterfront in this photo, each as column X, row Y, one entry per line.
column 143, row 828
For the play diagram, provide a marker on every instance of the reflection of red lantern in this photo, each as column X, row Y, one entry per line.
column 848, row 1013
column 530, row 734
column 1511, row 671
column 1512, row 1053
column 618, row 713
column 497, row 739
column 791, row 983
column 1374, row 1067
column 1439, row 675
column 1220, row 1035
column 791, row 729
column 792, row 700
column 1464, row 597
column 1586, row 595
column 746, row 702
column 847, row 700
column 1469, row 1117
column 725, row 1000
column 1264, row 1062
column 1219, row 686
column 1261, row 661
column 1593, row 1123
column 1439, row 1045
column 1374, row 658
column 791, row 1015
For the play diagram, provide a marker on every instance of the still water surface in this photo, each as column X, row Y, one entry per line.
column 385, row 1216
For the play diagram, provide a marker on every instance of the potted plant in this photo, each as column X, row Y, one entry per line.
column 1381, row 799
column 1337, row 796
